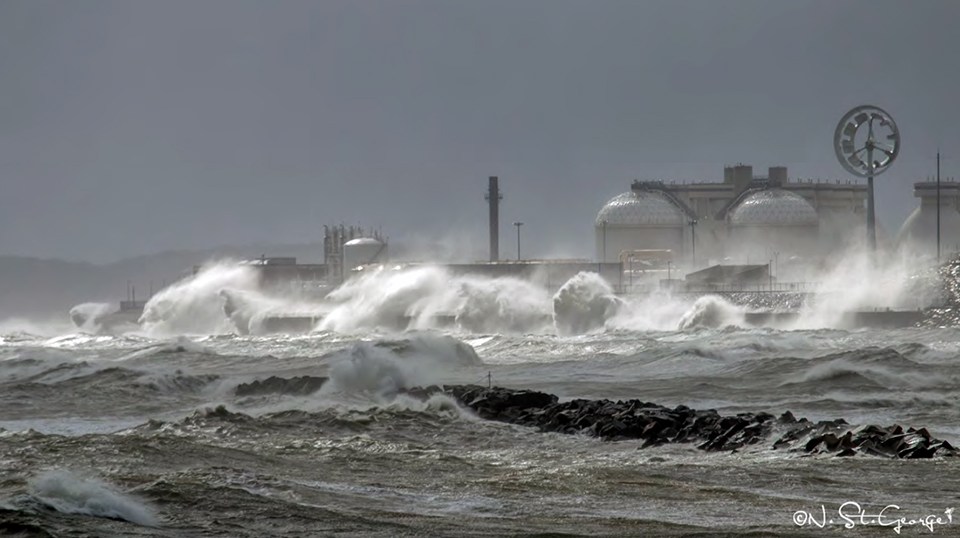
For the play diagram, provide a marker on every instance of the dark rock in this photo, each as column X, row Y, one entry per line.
column 655, row 424
column 296, row 386
column 763, row 417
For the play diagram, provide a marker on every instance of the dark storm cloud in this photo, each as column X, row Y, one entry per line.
column 132, row 126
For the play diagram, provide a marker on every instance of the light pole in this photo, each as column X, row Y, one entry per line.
column 669, row 282
column 776, row 263
column 604, row 226
column 693, row 243
column 518, row 224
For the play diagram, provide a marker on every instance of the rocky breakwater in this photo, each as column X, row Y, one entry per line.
column 709, row 430
column 296, row 386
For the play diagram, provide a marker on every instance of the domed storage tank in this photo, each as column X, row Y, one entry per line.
column 773, row 220
column 363, row 251
column 638, row 220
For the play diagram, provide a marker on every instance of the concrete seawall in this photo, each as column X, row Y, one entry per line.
column 776, row 320
column 881, row 319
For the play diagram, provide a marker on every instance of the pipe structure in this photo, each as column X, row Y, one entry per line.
column 493, row 197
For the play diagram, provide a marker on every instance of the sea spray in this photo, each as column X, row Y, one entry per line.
column 383, row 297
column 248, row 310
column 194, row 305
column 17, row 328
column 225, row 298
column 658, row 311
column 69, row 493
column 87, row 316
column 860, row 282
column 414, row 298
column 713, row 312
column 583, row 304
column 503, row 305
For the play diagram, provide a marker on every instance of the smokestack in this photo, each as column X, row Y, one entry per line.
column 493, row 197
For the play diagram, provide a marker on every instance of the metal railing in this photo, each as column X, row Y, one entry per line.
column 682, row 287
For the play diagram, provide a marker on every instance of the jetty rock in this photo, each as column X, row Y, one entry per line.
column 707, row 429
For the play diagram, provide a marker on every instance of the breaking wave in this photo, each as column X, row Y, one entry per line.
column 584, row 304
column 416, row 298
column 194, row 305
column 227, row 298
column 712, row 312
column 384, row 368
column 68, row 493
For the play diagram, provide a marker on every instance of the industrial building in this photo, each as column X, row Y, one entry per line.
column 918, row 235
column 346, row 249
column 744, row 218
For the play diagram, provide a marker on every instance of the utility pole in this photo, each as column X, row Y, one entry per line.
column 693, row 243
column 938, row 205
column 776, row 263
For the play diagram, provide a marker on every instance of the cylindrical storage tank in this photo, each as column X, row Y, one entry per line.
column 363, row 251
column 773, row 220
column 638, row 220
column 918, row 235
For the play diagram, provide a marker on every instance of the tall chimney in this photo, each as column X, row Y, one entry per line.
column 493, row 197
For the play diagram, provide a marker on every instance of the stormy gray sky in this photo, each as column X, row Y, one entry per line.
column 129, row 127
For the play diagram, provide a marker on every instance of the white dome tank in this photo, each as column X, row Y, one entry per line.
column 363, row 251
column 773, row 221
column 774, row 207
column 638, row 220
column 640, row 208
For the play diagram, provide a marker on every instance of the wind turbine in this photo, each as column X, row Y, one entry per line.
column 858, row 150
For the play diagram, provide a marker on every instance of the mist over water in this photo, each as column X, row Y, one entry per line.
column 862, row 282
column 226, row 298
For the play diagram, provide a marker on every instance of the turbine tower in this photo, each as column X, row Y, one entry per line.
column 857, row 150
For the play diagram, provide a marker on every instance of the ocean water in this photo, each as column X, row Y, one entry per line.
column 141, row 432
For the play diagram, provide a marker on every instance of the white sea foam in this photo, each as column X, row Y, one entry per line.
column 70, row 493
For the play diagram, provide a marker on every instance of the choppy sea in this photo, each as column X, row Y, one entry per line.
column 138, row 433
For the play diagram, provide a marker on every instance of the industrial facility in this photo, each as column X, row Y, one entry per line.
column 744, row 230
column 346, row 249
column 918, row 235
column 744, row 217
column 754, row 219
